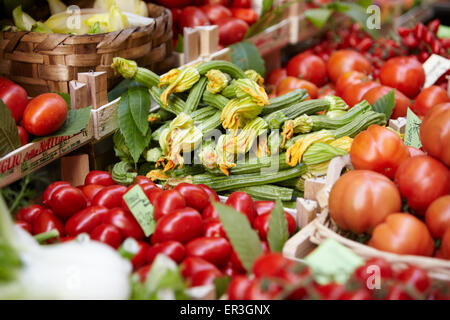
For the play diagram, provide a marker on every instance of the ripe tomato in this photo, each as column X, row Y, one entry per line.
column 143, row 272
column 85, row 220
column 397, row 292
column 167, row 202
column 362, row 199
column 211, row 193
column 45, row 114
column 402, row 102
column 107, row 234
column 216, row 250
column 215, row 12
column 428, row 98
column 241, row 3
column 24, row 225
column 437, row 216
column 125, row 222
column 213, row 228
column 354, row 95
column 378, row 149
column 192, row 17
column 308, row 66
column 263, row 206
column 91, row 190
column 140, row 258
column 67, row 201
column 402, row 233
column 103, row 178
column 445, row 245
column 237, row 287
column 210, row 212
column 194, row 195
column 359, row 294
column 342, row 61
column 173, row 249
column 261, row 224
column 205, row 277
column 330, row 291
column 14, row 97
column 181, row 225
column 231, row 30
column 192, row 265
column 242, row 202
column 247, row 15
column 262, row 289
column 349, row 79
column 53, row 187
column 23, row 135
column 29, row 213
column 403, row 73
column 421, row 180
column 143, row 180
column 416, row 278
column 365, row 272
column 174, row 3
column 221, row 2
column 110, row 197
column 291, row 83
column 47, row 221
column 275, row 76
column 271, row 265
column 435, row 132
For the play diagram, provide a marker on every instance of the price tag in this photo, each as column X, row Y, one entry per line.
column 412, row 131
column 435, row 67
column 141, row 209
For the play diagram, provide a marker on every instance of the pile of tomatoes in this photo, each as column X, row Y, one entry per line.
column 232, row 17
column 39, row 116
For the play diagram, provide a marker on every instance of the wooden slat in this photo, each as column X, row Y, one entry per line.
column 25, row 57
column 136, row 52
column 83, row 60
column 55, row 72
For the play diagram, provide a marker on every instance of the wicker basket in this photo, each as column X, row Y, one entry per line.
column 47, row 62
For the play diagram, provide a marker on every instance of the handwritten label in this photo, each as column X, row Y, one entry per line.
column 435, row 67
column 141, row 209
column 412, row 131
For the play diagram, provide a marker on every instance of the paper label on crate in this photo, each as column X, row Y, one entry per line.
column 141, row 208
column 435, row 67
column 412, row 130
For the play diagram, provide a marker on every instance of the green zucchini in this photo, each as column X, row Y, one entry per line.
column 217, row 101
column 225, row 66
column 284, row 101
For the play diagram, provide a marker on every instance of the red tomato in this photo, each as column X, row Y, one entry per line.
column 247, row 15
column 175, row 16
column 231, row 30
column 402, row 102
column 261, row 224
column 192, row 265
column 354, row 95
column 414, row 152
column 215, row 250
column 153, row 194
column 415, row 277
column 168, row 201
column 67, row 201
column 102, row 178
column 359, row 294
column 236, row 262
column 290, row 83
column 211, row 193
column 372, row 266
column 48, row 192
column 210, row 212
column 403, row 73
column 242, row 202
column 23, row 135
column 140, row 258
column 421, row 180
column 349, row 79
column 85, row 220
column 445, row 246
column 330, row 291
column 125, row 222
column 435, row 132
column 428, row 98
column 378, row 149
column 230, row 271
column 275, row 77
column 308, row 66
column 91, row 190
column 398, row 292
column 174, row 3
column 263, row 206
column 271, row 265
column 213, row 228
column 241, row 3
column 437, row 216
column 195, row 196
column 204, row 277
column 14, row 97
column 107, row 234
column 24, row 225
column 342, row 61
column 191, row 17
column 47, row 221
column 402, row 233
column 237, row 287
column 362, row 199
column 215, row 12
column 143, row 272
column 262, row 289
column 45, row 114
column 221, row 2
column 28, row 214
column 181, row 225
column 110, row 197
column 173, row 249
column 141, row 180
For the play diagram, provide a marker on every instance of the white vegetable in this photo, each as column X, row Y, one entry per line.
column 132, row 6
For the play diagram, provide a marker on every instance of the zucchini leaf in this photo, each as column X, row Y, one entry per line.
column 139, row 102
column 318, row 17
column 278, row 229
column 385, row 104
column 246, row 56
column 243, row 237
column 9, row 136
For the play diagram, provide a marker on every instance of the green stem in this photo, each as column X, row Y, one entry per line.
column 19, row 197
column 44, row 236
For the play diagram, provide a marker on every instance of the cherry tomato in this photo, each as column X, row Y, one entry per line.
column 107, row 234
column 308, row 66
column 354, row 95
column 168, row 201
column 247, row 15
column 191, row 17
column 153, row 194
column 445, row 246
column 204, row 277
column 213, row 228
column 110, row 197
column 242, row 202
column 66, row 201
column 349, row 79
column 241, row 3
column 175, row 16
column 221, row 2
column 174, row 3
column 181, row 225
column 231, row 30
column 14, row 97
column 85, row 220
column 28, row 214
column 263, row 206
column 398, row 292
column 378, row 149
column 402, row 233
column 330, row 291
column 195, row 196
column 143, row 272
column 437, row 216
column 402, row 102
column 47, row 221
column 421, row 180
column 52, row 188
column 173, row 249
column 102, row 178
column 141, row 180
column 275, row 76
column 237, row 287
column 271, row 265
column 215, row 12
column 415, row 277
column 359, row 294
column 24, row 225
column 210, row 212
column 192, row 265
column 91, row 190
column 125, row 222
column 261, row 224
column 211, row 193
column 291, row 83
column 140, row 258
column 262, row 289
column 435, row 132
column 428, row 98
column 374, row 267
column 215, row 250
column 403, row 73
column 236, row 262
column 342, row 61
column 23, row 135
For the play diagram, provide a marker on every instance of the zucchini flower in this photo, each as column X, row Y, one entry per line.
column 126, row 68
column 295, row 153
column 169, row 77
column 56, row 6
column 321, row 152
column 224, row 158
column 184, row 81
column 114, row 20
column 255, row 76
column 336, row 103
column 157, row 175
column 262, row 148
column 153, row 155
column 249, row 88
column 217, row 81
column 344, row 143
column 208, row 155
column 238, row 112
column 302, row 124
column 245, row 139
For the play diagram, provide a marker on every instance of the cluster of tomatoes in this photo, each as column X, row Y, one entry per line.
column 276, row 277
column 188, row 229
column 232, row 17
column 40, row 116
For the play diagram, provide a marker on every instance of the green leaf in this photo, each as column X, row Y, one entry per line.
column 139, row 102
column 66, row 98
column 278, row 229
column 120, row 147
column 318, row 17
column 180, row 44
column 385, row 104
column 123, row 173
column 364, row 3
column 266, row 6
column 9, row 135
column 77, row 120
column 243, row 237
column 221, row 284
column 245, row 55
column 123, row 86
column 443, row 32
